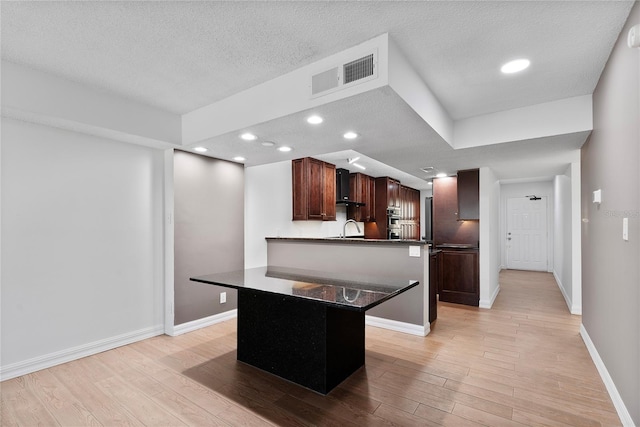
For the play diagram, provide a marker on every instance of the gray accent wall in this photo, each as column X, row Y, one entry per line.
column 610, row 267
column 209, row 232
column 381, row 260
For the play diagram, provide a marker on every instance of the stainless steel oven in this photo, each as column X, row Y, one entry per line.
column 393, row 234
column 394, row 216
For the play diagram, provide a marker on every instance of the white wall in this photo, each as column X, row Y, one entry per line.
column 490, row 260
column 576, row 235
column 407, row 83
column 39, row 97
column 268, row 204
column 539, row 188
column 82, row 245
column 560, row 117
column 562, row 247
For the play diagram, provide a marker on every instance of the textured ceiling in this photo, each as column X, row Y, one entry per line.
column 179, row 56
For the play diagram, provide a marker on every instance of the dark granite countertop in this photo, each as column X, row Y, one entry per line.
column 456, row 246
column 357, row 240
column 352, row 291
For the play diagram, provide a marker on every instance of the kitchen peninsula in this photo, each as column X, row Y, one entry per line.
column 305, row 326
column 397, row 259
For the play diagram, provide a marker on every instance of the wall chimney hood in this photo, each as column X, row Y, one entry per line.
column 342, row 189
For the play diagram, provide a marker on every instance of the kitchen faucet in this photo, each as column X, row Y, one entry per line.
column 344, row 229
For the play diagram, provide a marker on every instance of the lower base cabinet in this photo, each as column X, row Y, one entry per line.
column 433, row 286
column 459, row 278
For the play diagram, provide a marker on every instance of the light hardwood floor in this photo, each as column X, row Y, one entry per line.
column 520, row 363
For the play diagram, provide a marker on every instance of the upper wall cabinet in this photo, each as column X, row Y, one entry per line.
column 447, row 226
column 362, row 189
column 469, row 194
column 314, row 190
column 387, row 192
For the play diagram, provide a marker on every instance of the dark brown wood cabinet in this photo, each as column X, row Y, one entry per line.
column 390, row 194
column 372, row 199
column 456, row 232
column 384, row 193
column 459, row 278
column 362, row 190
column 433, row 286
column 313, row 190
column 299, row 175
column 410, row 211
column 393, row 190
column 468, row 189
column 447, row 228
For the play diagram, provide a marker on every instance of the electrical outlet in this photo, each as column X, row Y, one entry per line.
column 223, row 297
column 414, row 251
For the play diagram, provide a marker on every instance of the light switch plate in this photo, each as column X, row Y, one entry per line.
column 414, row 251
column 597, row 196
column 625, row 229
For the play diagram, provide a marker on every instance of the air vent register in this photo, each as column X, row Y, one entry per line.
column 339, row 77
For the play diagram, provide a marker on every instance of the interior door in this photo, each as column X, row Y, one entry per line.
column 526, row 239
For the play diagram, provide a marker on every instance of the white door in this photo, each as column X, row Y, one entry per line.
column 527, row 233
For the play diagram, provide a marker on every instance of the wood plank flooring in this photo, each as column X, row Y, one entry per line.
column 520, row 363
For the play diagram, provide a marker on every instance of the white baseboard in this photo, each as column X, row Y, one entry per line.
column 63, row 356
column 394, row 325
column 623, row 413
column 489, row 303
column 204, row 322
column 567, row 300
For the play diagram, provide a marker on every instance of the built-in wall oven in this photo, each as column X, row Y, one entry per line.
column 394, row 230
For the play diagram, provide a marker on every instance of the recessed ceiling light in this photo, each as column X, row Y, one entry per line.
column 284, row 149
column 350, row 135
column 441, row 175
column 200, row 149
column 239, row 159
column 515, row 66
column 358, row 165
column 268, row 143
column 248, row 136
column 314, row 120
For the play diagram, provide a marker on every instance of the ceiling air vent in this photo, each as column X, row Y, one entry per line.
column 358, row 69
column 325, row 81
column 343, row 75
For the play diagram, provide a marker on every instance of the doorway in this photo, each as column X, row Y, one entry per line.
column 527, row 233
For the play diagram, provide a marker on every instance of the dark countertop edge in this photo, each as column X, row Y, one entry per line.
column 328, row 303
column 457, row 247
column 388, row 297
column 348, row 240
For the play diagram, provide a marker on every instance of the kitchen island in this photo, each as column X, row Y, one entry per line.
column 305, row 326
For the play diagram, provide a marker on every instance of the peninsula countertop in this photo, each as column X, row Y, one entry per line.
column 355, row 240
